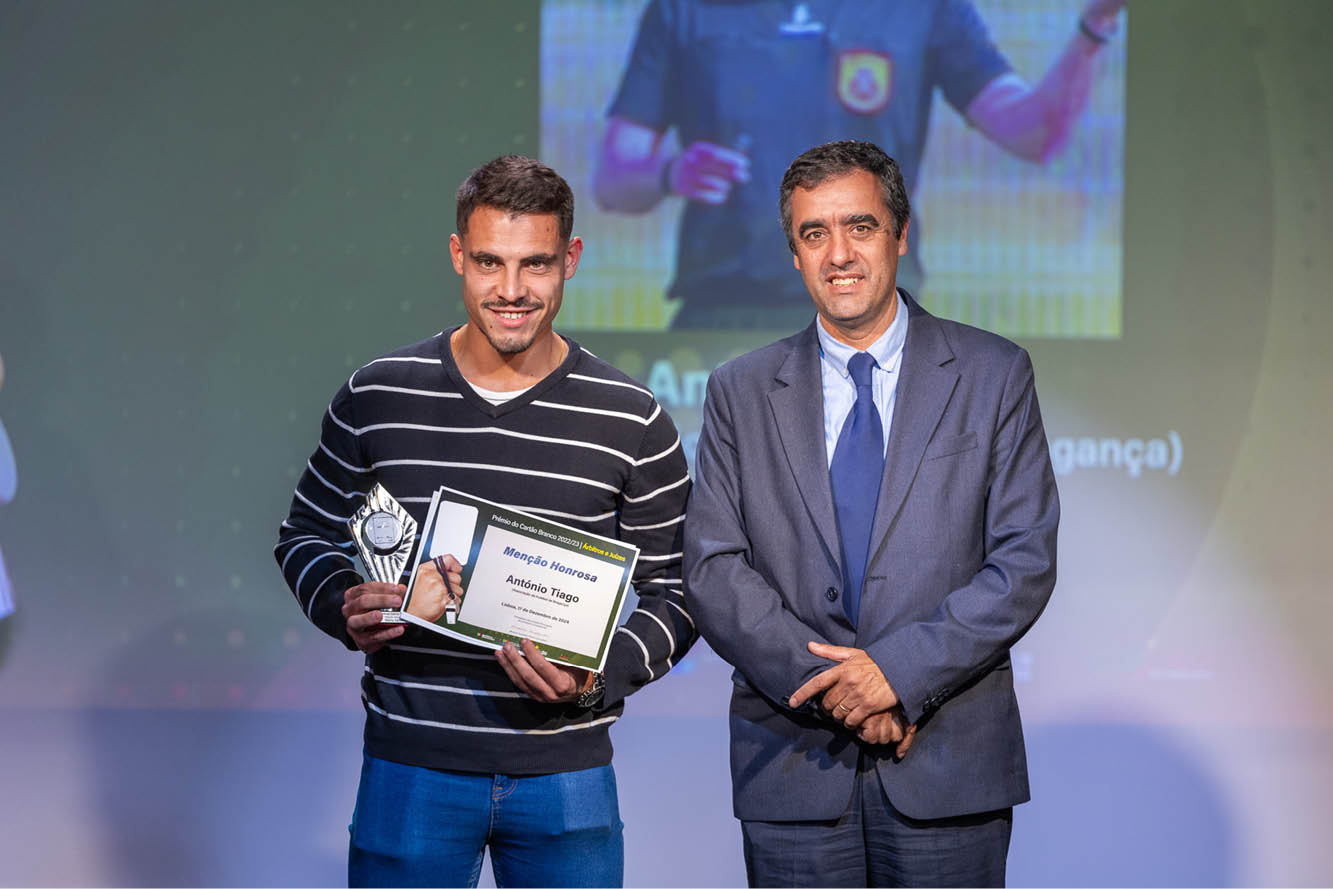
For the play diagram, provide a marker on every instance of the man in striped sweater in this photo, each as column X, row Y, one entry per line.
column 465, row 747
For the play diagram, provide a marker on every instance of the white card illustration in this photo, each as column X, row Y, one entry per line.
column 455, row 524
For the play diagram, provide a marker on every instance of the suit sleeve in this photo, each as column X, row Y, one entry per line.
column 315, row 548
column 738, row 612
column 976, row 624
column 658, row 631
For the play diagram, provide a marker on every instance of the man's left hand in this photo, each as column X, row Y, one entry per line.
column 540, row 679
column 889, row 727
column 853, row 689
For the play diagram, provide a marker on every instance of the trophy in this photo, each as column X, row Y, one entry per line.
column 384, row 534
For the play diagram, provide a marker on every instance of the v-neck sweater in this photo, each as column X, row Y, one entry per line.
column 586, row 446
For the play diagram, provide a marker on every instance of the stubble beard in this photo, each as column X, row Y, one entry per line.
column 508, row 342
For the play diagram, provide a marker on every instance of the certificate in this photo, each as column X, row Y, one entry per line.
column 523, row 577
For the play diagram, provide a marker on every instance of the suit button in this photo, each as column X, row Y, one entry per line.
column 831, row 594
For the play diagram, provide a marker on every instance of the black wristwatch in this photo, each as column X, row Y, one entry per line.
column 593, row 696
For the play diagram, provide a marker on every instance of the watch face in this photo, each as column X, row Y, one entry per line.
column 382, row 532
column 594, row 694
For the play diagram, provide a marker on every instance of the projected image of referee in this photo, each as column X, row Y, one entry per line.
column 748, row 86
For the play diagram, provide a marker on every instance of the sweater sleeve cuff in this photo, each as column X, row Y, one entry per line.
column 327, row 613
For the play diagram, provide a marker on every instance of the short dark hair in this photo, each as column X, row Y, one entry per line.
column 520, row 186
column 834, row 159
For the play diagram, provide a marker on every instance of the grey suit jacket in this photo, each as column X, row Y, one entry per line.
column 962, row 562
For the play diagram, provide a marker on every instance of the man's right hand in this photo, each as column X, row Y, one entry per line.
column 705, row 172
column 361, row 610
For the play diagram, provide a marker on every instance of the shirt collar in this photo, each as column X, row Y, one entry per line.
column 886, row 350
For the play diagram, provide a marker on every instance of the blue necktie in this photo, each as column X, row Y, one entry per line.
column 858, row 463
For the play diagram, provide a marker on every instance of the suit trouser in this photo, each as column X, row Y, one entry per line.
column 873, row 844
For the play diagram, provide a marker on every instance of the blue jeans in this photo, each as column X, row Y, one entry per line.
column 424, row 827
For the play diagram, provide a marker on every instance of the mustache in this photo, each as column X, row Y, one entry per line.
column 514, row 306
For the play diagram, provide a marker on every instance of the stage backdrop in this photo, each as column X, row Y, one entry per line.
column 213, row 212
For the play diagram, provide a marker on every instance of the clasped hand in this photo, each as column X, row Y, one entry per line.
column 856, row 694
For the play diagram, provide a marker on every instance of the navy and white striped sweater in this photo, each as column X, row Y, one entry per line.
column 586, row 446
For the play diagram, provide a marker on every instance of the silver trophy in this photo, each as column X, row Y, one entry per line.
column 384, row 534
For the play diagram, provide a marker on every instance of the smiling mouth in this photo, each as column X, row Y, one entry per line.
column 844, row 280
column 511, row 315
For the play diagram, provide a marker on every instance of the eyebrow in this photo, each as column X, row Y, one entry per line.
column 810, row 224
column 853, row 219
column 858, row 218
column 483, row 256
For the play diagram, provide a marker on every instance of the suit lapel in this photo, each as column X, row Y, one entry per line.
column 925, row 385
column 798, row 408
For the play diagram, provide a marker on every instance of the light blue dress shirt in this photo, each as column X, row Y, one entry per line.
column 840, row 391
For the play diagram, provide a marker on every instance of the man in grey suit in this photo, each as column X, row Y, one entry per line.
column 872, row 527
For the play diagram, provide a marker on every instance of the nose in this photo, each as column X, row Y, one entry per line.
column 840, row 248
column 512, row 288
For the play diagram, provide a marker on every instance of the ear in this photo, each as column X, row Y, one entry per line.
column 456, row 252
column 796, row 260
column 902, row 239
column 572, row 254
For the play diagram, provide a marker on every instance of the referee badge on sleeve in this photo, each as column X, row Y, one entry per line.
column 864, row 80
